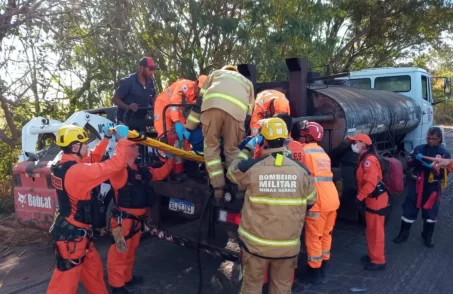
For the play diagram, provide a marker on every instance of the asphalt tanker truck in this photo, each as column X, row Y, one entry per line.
column 394, row 106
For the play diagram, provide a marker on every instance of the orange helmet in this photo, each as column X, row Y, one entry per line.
column 201, row 80
column 312, row 129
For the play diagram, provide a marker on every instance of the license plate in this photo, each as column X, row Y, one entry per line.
column 180, row 205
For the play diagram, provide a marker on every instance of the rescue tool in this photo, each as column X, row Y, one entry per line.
column 144, row 140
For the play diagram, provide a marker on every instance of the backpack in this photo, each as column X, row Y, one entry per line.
column 392, row 171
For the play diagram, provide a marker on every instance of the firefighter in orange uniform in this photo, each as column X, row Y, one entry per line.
column 321, row 218
column 73, row 179
column 162, row 100
column 267, row 104
column 185, row 92
column 372, row 192
column 271, row 218
column 132, row 197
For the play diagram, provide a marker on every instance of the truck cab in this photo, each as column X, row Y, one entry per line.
column 413, row 82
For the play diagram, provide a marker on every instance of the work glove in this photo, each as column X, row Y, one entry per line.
column 121, row 132
column 179, row 130
column 419, row 157
column 186, row 134
column 107, row 132
column 120, row 242
column 427, row 165
column 257, row 140
column 244, row 142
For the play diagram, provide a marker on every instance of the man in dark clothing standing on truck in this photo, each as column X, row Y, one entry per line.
column 136, row 90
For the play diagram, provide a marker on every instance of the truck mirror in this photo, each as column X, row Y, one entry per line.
column 447, row 89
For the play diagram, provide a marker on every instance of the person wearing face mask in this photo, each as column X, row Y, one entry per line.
column 74, row 176
column 132, row 198
column 425, row 186
column 372, row 193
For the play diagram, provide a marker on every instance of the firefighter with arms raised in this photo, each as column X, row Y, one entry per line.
column 321, row 218
column 73, row 178
column 133, row 196
column 279, row 191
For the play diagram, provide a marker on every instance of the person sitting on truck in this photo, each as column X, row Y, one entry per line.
column 132, row 195
column 227, row 99
column 279, row 191
column 136, row 90
column 372, row 193
column 425, row 186
column 267, row 104
column 321, row 218
column 73, row 179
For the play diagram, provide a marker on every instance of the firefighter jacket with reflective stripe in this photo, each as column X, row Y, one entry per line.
column 278, row 190
column 81, row 178
column 267, row 103
column 368, row 175
column 229, row 91
column 318, row 162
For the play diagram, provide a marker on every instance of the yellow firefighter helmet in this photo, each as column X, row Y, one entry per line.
column 274, row 128
column 69, row 134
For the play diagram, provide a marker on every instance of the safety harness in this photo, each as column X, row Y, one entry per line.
column 62, row 230
column 137, row 226
column 378, row 191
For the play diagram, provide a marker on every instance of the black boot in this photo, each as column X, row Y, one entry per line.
column 365, row 259
column 324, row 268
column 404, row 233
column 375, row 267
column 136, row 280
column 314, row 276
column 427, row 234
column 120, row 290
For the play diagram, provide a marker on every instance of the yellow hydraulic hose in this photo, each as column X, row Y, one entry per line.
column 142, row 139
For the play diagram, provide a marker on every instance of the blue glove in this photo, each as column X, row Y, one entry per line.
column 121, row 131
column 106, row 131
column 419, row 157
column 244, row 142
column 428, row 165
column 255, row 141
column 186, row 134
column 179, row 130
